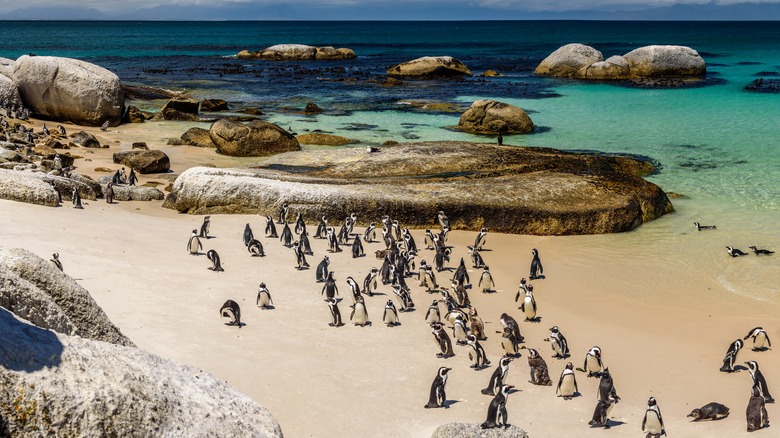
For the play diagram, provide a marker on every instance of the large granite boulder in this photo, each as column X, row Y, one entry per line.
column 319, row 138
column 490, row 117
column 256, row 138
column 197, row 137
column 144, row 161
column 7, row 67
column 506, row 189
column 214, row 105
column 85, row 139
column 53, row 384
column 65, row 89
column 570, row 60
column 614, row 67
column 430, row 67
column 298, row 52
column 84, row 185
column 665, row 61
column 34, row 289
column 132, row 193
column 8, row 91
column 473, row 430
column 25, row 187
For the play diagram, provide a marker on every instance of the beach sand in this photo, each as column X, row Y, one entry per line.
column 654, row 300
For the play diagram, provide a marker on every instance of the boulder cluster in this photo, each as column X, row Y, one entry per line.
column 298, row 52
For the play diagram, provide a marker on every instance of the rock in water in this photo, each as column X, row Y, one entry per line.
column 615, row 67
column 489, row 116
column 312, row 107
column 134, row 115
column 65, row 89
column 569, row 60
column 468, row 430
column 214, row 105
column 324, row 139
column 298, row 52
column 430, row 67
column 665, row 61
column 151, row 161
column 257, row 138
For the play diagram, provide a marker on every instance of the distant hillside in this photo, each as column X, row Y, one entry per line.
column 54, row 13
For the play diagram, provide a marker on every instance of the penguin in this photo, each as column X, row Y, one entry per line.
column 601, row 414
column 286, row 238
column 406, row 299
column 486, row 280
column 270, row 227
column 459, row 331
column 216, row 264
column 498, row 377
column 429, row 241
column 444, row 221
column 477, row 355
column 496, row 415
column 354, row 288
column 536, row 266
column 734, row 252
column 479, row 242
column 759, row 381
column 357, row 247
column 607, row 387
column 538, row 367
column 461, row 274
column 411, row 245
column 386, row 269
column 567, row 384
column 558, row 343
column 441, row 239
column 521, row 290
column 442, row 256
column 300, row 257
column 460, row 293
column 248, row 235
column 321, row 228
column 759, row 252
column 231, row 310
column 194, row 246
column 62, row 130
column 427, row 277
column 653, row 423
column 710, row 411
column 283, row 214
column 477, row 325
column 370, row 234
column 593, row 364
column 122, row 178
column 264, row 300
column 77, row 199
column 760, row 339
column 330, row 290
column 443, row 341
column 321, row 274
column 55, row 260
column 333, row 243
column 335, row 314
column 731, row 356
column 359, row 315
column 509, row 343
column 132, row 179
column 256, row 248
column 45, row 130
column 387, row 237
column 453, row 312
column 110, row 193
column 510, row 323
column 57, row 162
column 438, row 396
column 300, row 225
column 304, row 242
column 528, row 306
column 116, row 179
column 105, row 125
column 476, row 258
column 369, row 283
column 390, row 317
column 700, row 227
column 433, row 314
column 205, row 227
column 57, row 191
column 757, row 417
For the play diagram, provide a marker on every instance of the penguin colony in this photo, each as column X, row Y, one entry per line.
column 452, row 306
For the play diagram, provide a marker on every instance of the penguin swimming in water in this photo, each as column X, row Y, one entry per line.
column 216, row 264
column 286, row 238
column 759, row 381
column 700, row 227
column 759, row 252
column 55, row 260
column 567, row 383
column 497, row 415
column 390, row 317
column 300, row 257
column 433, row 314
column 283, row 214
column 477, row 355
column 321, row 274
column 731, row 356
column 110, row 193
column 757, row 417
column 498, row 377
column 248, row 235
column 607, row 387
column 330, row 290
column 438, row 396
column 359, row 315
column 536, row 266
column 300, row 225
column 270, row 227
column 231, row 310
column 593, row 364
column 486, row 280
column 479, row 242
column 256, row 248
column 77, row 199
column 304, row 242
column 601, row 414
column 335, row 314
column 194, row 246
column 539, row 372
column 357, row 247
column 443, row 341
column 321, row 228
column 264, row 300
column 558, row 343
column 528, row 306
column 710, row 411
column 653, row 423
column 734, row 252
column 760, row 339
column 205, row 227
column 370, row 283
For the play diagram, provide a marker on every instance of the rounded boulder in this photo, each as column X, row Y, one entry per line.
column 569, row 61
column 665, row 61
column 255, row 139
column 430, row 67
column 490, row 116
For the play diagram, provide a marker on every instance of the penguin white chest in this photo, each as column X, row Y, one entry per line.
column 593, row 364
column 360, row 314
column 567, row 385
column 760, row 340
column 652, row 423
column 528, row 308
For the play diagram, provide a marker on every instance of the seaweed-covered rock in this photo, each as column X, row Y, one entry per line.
column 324, row 139
column 489, row 116
column 214, row 105
column 298, row 52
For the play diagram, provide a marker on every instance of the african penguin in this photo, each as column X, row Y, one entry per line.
column 477, row 325
column 734, row 252
column 759, row 381
column 497, row 415
column 321, row 274
column 205, row 227
column 264, row 300
column 256, row 248
column 335, row 314
column 558, row 343
column 248, row 235
column 653, row 423
column 77, row 199
column 607, row 387
column 477, row 355
column 438, row 396
column 498, row 377
column 286, row 238
column 710, row 411
column 528, row 306
column 601, row 414
column 593, row 364
column 442, row 340
column 567, row 383
column 486, row 280
column 390, row 316
column 216, row 264
column 231, row 310
column 194, row 246
column 300, row 225
column 369, row 283
column 459, row 331
column 433, row 315
column 283, row 214
column 700, row 227
column 760, row 339
column 359, row 315
column 55, row 260
column 759, row 252
column 479, row 242
column 354, row 288
column 357, row 247
column 330, row 290
column 757, row 417
column 270, row 227
column 731, row 356
column 536, row 266
column 304, row 242
column 538, row 367
column 110, row 193
column 370, row 234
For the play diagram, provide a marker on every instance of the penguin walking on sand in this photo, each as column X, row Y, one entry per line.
column 538, row 367
column 286, row 238
column 477, row 325
column 216, row 264
column 357, row 247
column 55, row 260
column 653, row 423
column 231, row 310
column 528, row 306
column 370, row 283
column 321, row 274
column 77, row 199
column 593, row 364
column 731, row 356
column 330, row 290
column 390, row 317
column 110, row 193
column 601, row 414
column 479, row 242
column 427, row 277
column 443, row 341
column 496, row 414
column 442, row 256
column 270, row 227
column 710, row 411
column 567, row 383
column 476, row 258
column 558, row 343
column 321, row 228
column 406, row 298
column 248, row 235
column 521, row 290
column 761, row 340
column 359, row 315
column 335, row 314
column 264, row 300
column 757, row 416
column 498, row 377
column 759, row 252
column 205, row 227
column 459, row 331
column 607, row 387
column 305, row 244
column 759, row 381
column 283, row 214
column 438, row 396
column 256, row 248
column 461, row 274
column 300, row 225
column 300, row 257
column 194, row 246
column 486, row 280
column 734, row 252
column 433, row 314
column 477, row 354
column 537, row 270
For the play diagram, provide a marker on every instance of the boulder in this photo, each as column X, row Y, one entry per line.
column 615, row 67
column 65, row 89
column 312, row 108
column 391, row 82
column 34, row 289
column 94, row 187
column 53, row 384
column 491, row 73
column 7, row 67
column 324, row 139
column 174, row 114
column 430, row 67
column 473, row 430
column 86, row 190
column 145, row 92
column 569, row 61
column 8, row 91
column 9, row 155
column 140, row 145
column 132, row 193
column 329, row 53
column 182, row 104
column 489, row 117
column 506, row 189
column 144, row 161
column 134, row 115
column 665, row 61
column 298, row 52
column 85, row 139
column 24, row 187
column 256, row 138
column 197, row 137
column 213, row 105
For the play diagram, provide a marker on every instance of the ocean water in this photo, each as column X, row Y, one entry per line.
column 714, row 143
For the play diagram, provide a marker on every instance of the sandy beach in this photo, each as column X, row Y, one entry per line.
column 663, row 302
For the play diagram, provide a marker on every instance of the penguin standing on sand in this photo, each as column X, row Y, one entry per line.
column 760, row 339
column 55, row 260
column 370, row 283
column 496, row 415
column 321, row 274
column 270, row 227
column 498, row 377
column 300, row 225
column 479, row 242
column 759, row 381
column 461, row 274
column 56, row 190
column 601, row 414
column 433, row 314
column 357, row 247
column 459, row 331
column 476, row 258
column 477, row 325
column 411, row 245
column 757, row 417
column 521, row 290
column 406, row 298
column 335, row 314
column 194, row 246
column 304, row 241
column 536, row 266
column 333, row 242
column 110, row 193
column 567, row 383
column 354, row 288
column 359, row 315
column 330, row 290
column 256, row 248
column 283, row 214
column 731, row 356
column 231, row 310
column 390, row 317
column 593, row 364
column 300, row 257
column 558, row 343
column 286, row 238
column 205, row 227
column 539, row 373
column 443, row 341
column 77, row 199
column 264, row 300
column 427, row 277
column 477, row 355
column 486, row 280
column 653, row 423
column 442, row 256
column 528, row 306
column 216, row 264
column 511, row 324
column 248, row 235
column 321, row 228
column 370, row 234
column 132, row 179
column 438, row 396
column 444, row 221
column 607, row 387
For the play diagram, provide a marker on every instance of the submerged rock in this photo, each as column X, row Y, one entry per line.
column 214, row 105
column 298, row 52
column 506, row 189
column 324, row 139
column 473, row 430
column 430, row 67
column 762, row 85
column 489, row 116
column 144, row 161
column 256, row 138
